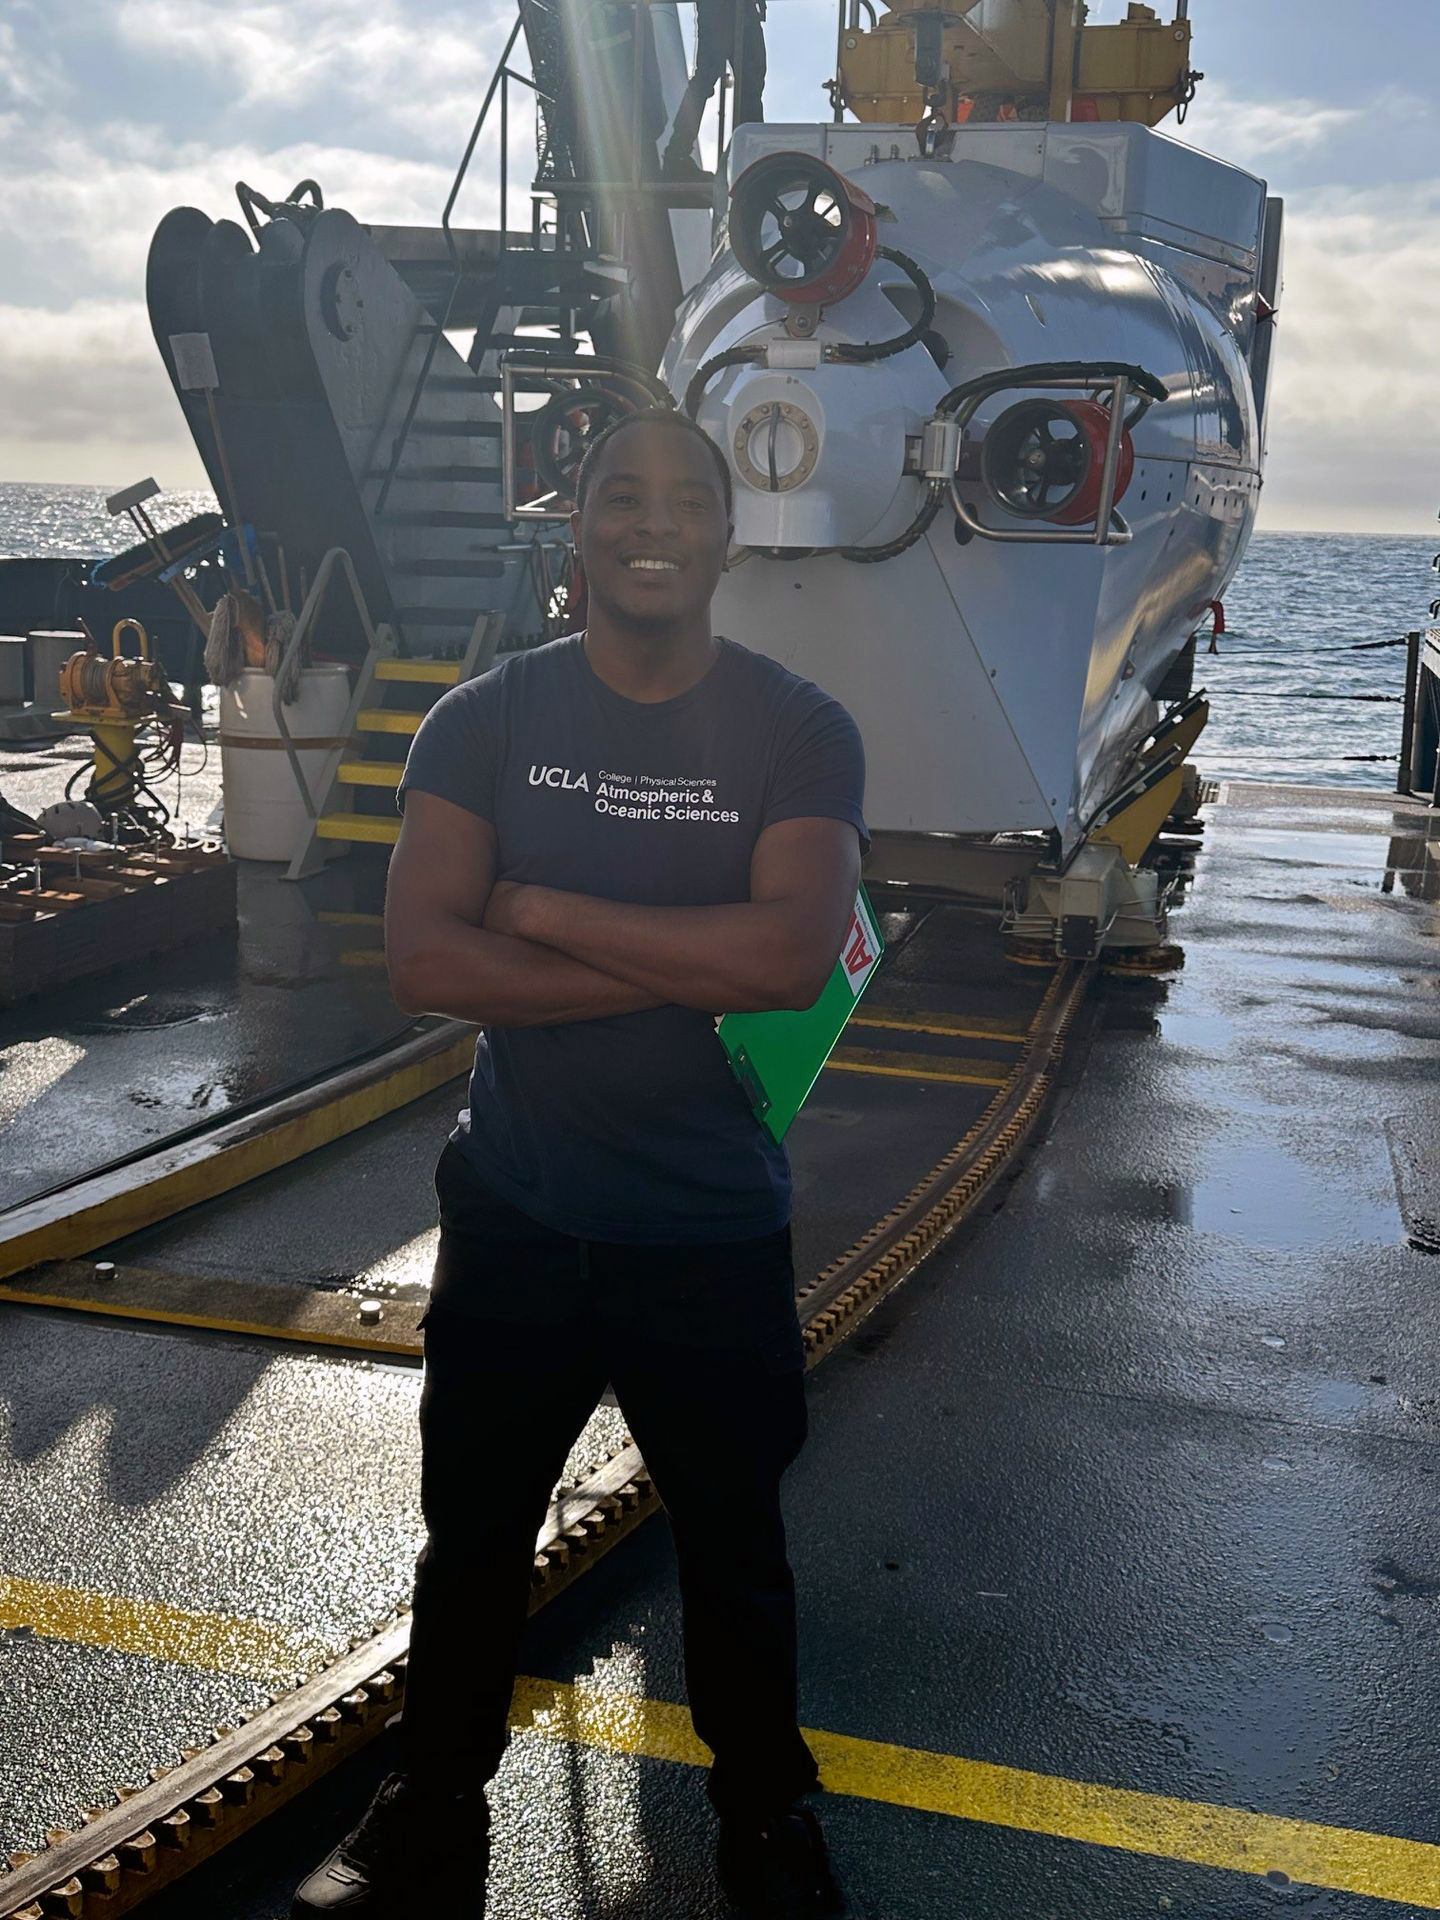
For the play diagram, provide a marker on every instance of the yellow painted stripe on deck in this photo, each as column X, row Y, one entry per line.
column 1342, row 1859
column 387, row 720
column 918, row 1066
column 1199, row 1834
column 216, row 1642
column 962, row 1027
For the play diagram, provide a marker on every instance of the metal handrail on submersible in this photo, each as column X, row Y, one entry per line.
column 962, row 403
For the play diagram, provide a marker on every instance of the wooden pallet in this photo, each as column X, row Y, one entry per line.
column 104, row 909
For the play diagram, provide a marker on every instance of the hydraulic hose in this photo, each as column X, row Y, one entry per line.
column 853, row 354
column 867, row 350
column 917, row 529
column 732, row 357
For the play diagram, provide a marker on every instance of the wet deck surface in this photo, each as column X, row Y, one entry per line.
column 116, row 1062
column 1133, row 1486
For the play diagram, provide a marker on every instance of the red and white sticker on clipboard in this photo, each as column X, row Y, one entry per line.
column 860, row 954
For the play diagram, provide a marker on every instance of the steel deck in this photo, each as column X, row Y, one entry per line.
column 1115, row 1533
column 120, row 1060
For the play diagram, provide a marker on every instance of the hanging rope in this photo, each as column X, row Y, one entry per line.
column 1292, row 753
column 1281, row 652
column 1261, row 693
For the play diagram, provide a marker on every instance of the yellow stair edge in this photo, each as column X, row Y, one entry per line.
column 377, row 827
column 387, row 720
column 369, row 773
column 432, row 673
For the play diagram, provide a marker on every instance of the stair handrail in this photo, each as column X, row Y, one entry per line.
column 299, row 638
column 497, row 80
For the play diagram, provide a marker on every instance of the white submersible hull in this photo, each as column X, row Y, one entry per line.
column 1006, row 665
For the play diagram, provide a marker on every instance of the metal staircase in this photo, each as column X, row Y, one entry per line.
column 390, row 698
column 313, row 358
column 365, row 768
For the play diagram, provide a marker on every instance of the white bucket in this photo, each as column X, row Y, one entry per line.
column 265, row 816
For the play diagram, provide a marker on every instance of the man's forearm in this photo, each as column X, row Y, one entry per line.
column 744, row 958
column 498, row 980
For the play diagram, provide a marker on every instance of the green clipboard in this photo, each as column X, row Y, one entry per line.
column 777, row 1056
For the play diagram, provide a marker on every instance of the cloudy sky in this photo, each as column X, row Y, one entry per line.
column 114, row 111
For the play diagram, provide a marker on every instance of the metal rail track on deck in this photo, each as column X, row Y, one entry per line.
column 144, row 1189
column 157, row 1833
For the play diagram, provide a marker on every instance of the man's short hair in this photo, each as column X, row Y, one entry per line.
column 652, row 417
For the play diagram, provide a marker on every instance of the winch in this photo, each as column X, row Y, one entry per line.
column 138, row 726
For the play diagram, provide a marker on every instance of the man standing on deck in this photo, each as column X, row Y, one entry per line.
column 607, row 841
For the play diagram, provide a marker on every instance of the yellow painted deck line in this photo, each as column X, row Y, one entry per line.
column 918, row 1066
column 216, row 1642
column 1197, row 1833
column 1343, row 1859
column 969, row 1027
column 109, row 1205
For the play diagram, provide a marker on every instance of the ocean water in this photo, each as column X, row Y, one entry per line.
column 69, row 522
column 1291, row 697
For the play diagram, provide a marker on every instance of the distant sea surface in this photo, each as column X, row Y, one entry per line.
column 1299, row 604
column 43, row 523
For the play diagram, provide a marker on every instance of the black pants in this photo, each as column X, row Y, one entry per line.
column 703, row 1348
column 725, row 30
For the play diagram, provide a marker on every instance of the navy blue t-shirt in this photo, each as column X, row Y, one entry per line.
column 632, row 1128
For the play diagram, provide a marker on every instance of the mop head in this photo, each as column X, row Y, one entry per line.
column 278, row 630
column 237, row 638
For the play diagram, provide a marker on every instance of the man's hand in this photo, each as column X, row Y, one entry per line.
column 774, row 950
column 442, row 960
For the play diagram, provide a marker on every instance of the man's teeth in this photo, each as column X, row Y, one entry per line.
column 653, row 566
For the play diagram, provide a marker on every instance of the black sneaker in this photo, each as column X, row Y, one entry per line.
column 409, row 1857
column 776, row 1868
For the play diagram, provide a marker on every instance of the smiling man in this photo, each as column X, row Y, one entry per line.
column 607, row 842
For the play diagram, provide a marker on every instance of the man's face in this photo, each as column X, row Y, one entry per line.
column 654, row 533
